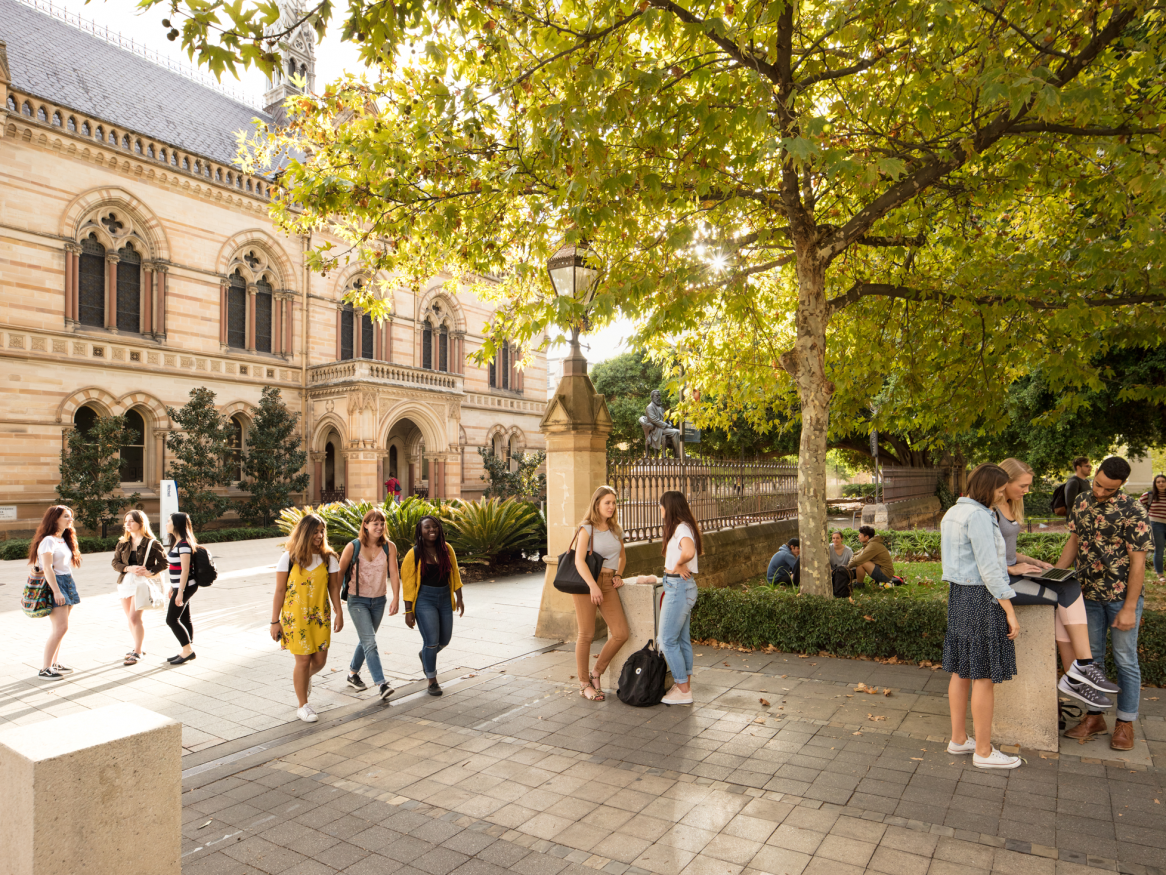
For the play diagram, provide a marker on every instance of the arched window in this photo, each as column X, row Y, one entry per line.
column 40, row 114
column 99, row 133
column 84, row 419
column 138, row 147
column 236, row 444
column 150, row 151
column 186, row 164
column 237, row 311
column 173, row 159
column 329, row 468
column 367, row 343
column 392, row 461
column 129, row 290
column 125, row 141
column 346, row 340
column 26, row 109
column 113, row 138
column 427, row 346
column 91, row 298
column 500, row 367
column 72, row 124
column 264, row 301
column 443, row 348
column 11, row 103
column 56, row 119
column 133, row 451
column 85, row 129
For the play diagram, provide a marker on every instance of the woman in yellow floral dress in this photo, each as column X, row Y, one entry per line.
column 307, row 596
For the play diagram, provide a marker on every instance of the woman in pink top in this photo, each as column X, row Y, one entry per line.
column 369, row 565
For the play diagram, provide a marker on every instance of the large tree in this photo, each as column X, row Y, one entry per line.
column 273, row 465
column 91, row 472
column 200, row 460
column 940, row 196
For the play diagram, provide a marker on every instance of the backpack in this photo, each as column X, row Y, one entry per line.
column 641, row 681
column 203, row 566
column 1057, row 504
column 843, row 582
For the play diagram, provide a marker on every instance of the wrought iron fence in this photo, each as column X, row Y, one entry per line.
column 722, row 493
column 327, row 496
column 900, row 484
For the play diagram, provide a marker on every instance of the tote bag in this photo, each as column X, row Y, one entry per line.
column 37, row 599
column 567, row 576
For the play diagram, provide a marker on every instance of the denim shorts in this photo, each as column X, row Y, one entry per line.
column 68, row 590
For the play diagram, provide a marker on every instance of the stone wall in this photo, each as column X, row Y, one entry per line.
column 914, row 512
column 730, row 555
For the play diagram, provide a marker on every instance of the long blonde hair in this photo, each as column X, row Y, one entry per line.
column 1015, row 469
column 142, row 520
column 299, row 546
column 595, row 519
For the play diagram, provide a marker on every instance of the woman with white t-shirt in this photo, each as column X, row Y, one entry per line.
column 307, row 590
column 56, row 552
column 681, row 549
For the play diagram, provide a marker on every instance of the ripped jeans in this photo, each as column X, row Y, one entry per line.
column 675, row 616
column 434, row 614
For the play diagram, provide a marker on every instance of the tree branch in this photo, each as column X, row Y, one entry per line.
column 919, row 239
column 729, row 47
column 1050, row 128
column 886, row 290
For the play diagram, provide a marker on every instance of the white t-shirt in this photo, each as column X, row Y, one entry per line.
column 672, row 556
column 62, row 555
column 285, row 563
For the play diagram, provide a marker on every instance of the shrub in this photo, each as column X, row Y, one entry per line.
column 343, row 520
column 18, row 548
column 272, row 467
column 909, row 629
column 491, row 531
column 859, row 490
column 917, row 545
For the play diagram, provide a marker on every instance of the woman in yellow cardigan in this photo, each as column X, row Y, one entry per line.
column 431, row 588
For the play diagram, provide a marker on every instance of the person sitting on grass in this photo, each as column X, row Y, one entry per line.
column 784, row 566
column 874, row 559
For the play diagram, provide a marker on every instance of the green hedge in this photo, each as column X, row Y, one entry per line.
column 910, row 629
column 18, row 549
column 919, row 545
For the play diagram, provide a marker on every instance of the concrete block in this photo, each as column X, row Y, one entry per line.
column 97, row 792
column 1026, row 706
column 875, row 515
column 640, row 609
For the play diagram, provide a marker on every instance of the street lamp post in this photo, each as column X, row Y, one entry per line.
column 574, row 272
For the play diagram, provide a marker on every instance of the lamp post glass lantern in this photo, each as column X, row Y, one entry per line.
column 574, row 272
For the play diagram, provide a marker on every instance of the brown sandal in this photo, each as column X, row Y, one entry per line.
column 594, row 678
column 596, row 695
column 132, row 658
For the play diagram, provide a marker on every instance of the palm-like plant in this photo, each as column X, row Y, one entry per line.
column 290, row 517
column 485, row 531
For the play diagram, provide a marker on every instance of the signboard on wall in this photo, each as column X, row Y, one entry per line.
column 7, row 512
column 167, row 503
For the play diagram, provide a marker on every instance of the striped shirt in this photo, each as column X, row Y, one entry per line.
column 175, row 557
column 1158, row 509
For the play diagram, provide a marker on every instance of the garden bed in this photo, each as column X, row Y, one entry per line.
column 476, row 573
column 18, row 548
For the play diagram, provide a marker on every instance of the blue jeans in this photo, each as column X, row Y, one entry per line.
column 675, row 617
column 1159, row 530
column 434, row 615
column 366, row 614
column 1125, row 651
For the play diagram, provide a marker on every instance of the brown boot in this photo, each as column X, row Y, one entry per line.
column 1092, row 724
column 1123, row 735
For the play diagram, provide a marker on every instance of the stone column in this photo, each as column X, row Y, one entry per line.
column 288, row 323
column 160, row 308
column 147, row 298
column 252, row 292
column 388, row 340
column 1025, row 711
column 159, row 456
column 339, row 316
column 576, row 425
column 111, row 260
column 72, row 251
column 317, row 484
column 223, row 311
column 277, row 325
column 357, row 334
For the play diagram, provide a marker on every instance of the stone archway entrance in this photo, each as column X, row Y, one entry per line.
column 404, row 458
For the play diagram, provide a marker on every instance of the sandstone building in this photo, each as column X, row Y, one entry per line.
column 137, row 262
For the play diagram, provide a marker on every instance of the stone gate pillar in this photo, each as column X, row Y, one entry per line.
column 576, row 425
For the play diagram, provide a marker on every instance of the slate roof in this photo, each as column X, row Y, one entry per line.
column 57, row 62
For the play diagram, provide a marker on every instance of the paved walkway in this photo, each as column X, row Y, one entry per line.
column 241, row 681
column 512, row 771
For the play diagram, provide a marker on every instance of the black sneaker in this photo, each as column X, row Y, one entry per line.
column 434, row 689
column 62, row 669
column 385, row 692
column 1086, row 674
column 47, row 674
column 1082, row 692
column 356, row 683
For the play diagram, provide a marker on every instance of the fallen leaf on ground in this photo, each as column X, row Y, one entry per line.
column 873, row 717
column 209, row 822
column 785, row 675
column 857, row 733
column 917, row 759
column 803, row 656
column 765, row 702
column 868, row 618
column 758, row 719
column 886, row 691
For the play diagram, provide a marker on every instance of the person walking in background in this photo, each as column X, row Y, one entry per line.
column 55, row 550
column 432, row 587
column 183, row 584
column 599, row 532
column 978, row 648
column 840, row 554
column 1156, row 508
column 307, row 591
column 137, row 554
column 1082, row 680
column 874, row 559
column 1073, row 487
column 393, row 487
column 369, row 564
column 681, row 549
column 784, row 565
column 1109, row 535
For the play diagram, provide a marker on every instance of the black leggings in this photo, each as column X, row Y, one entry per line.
column 1050, row 592
column 178, row 618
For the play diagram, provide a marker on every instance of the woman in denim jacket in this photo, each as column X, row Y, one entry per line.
column 978, row 649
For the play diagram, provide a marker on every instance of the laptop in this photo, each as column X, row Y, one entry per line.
column 1053, row 575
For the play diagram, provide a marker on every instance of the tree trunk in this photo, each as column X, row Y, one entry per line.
column 806, row 363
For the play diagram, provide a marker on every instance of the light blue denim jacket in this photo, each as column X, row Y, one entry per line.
column 973, row 548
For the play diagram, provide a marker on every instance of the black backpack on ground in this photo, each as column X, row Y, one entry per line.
column 843, row 581
column 203, row 566
column 641, row 682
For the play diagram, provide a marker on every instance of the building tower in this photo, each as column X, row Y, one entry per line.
column 298, row 65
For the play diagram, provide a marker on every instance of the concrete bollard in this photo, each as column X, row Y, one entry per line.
column 640, row 609
column 98, row 792
column 1025, row 711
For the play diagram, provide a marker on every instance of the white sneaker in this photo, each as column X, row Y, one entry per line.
column 676, row 696
column 307, row 714
column 968, row 746
column 995, row 760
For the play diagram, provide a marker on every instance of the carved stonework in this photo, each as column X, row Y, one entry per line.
column 38, row 343
column 60, row 346
column 362, row 399
column 454, row 411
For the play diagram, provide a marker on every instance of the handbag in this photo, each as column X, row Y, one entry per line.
column 567, row 576
column 147, row 594
column 37, row 599
column 641, row 680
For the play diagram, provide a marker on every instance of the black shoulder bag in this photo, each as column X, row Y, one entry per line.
column 567, row 576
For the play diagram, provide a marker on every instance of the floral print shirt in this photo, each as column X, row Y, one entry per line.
column 1106, row 531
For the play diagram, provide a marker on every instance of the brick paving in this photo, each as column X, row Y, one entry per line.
column 512, row 771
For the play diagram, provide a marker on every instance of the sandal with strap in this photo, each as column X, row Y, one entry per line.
column 595, row 677
column 132, row 658
column 596, row 695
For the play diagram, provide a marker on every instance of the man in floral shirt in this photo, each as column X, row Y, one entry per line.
column 1109, row 536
